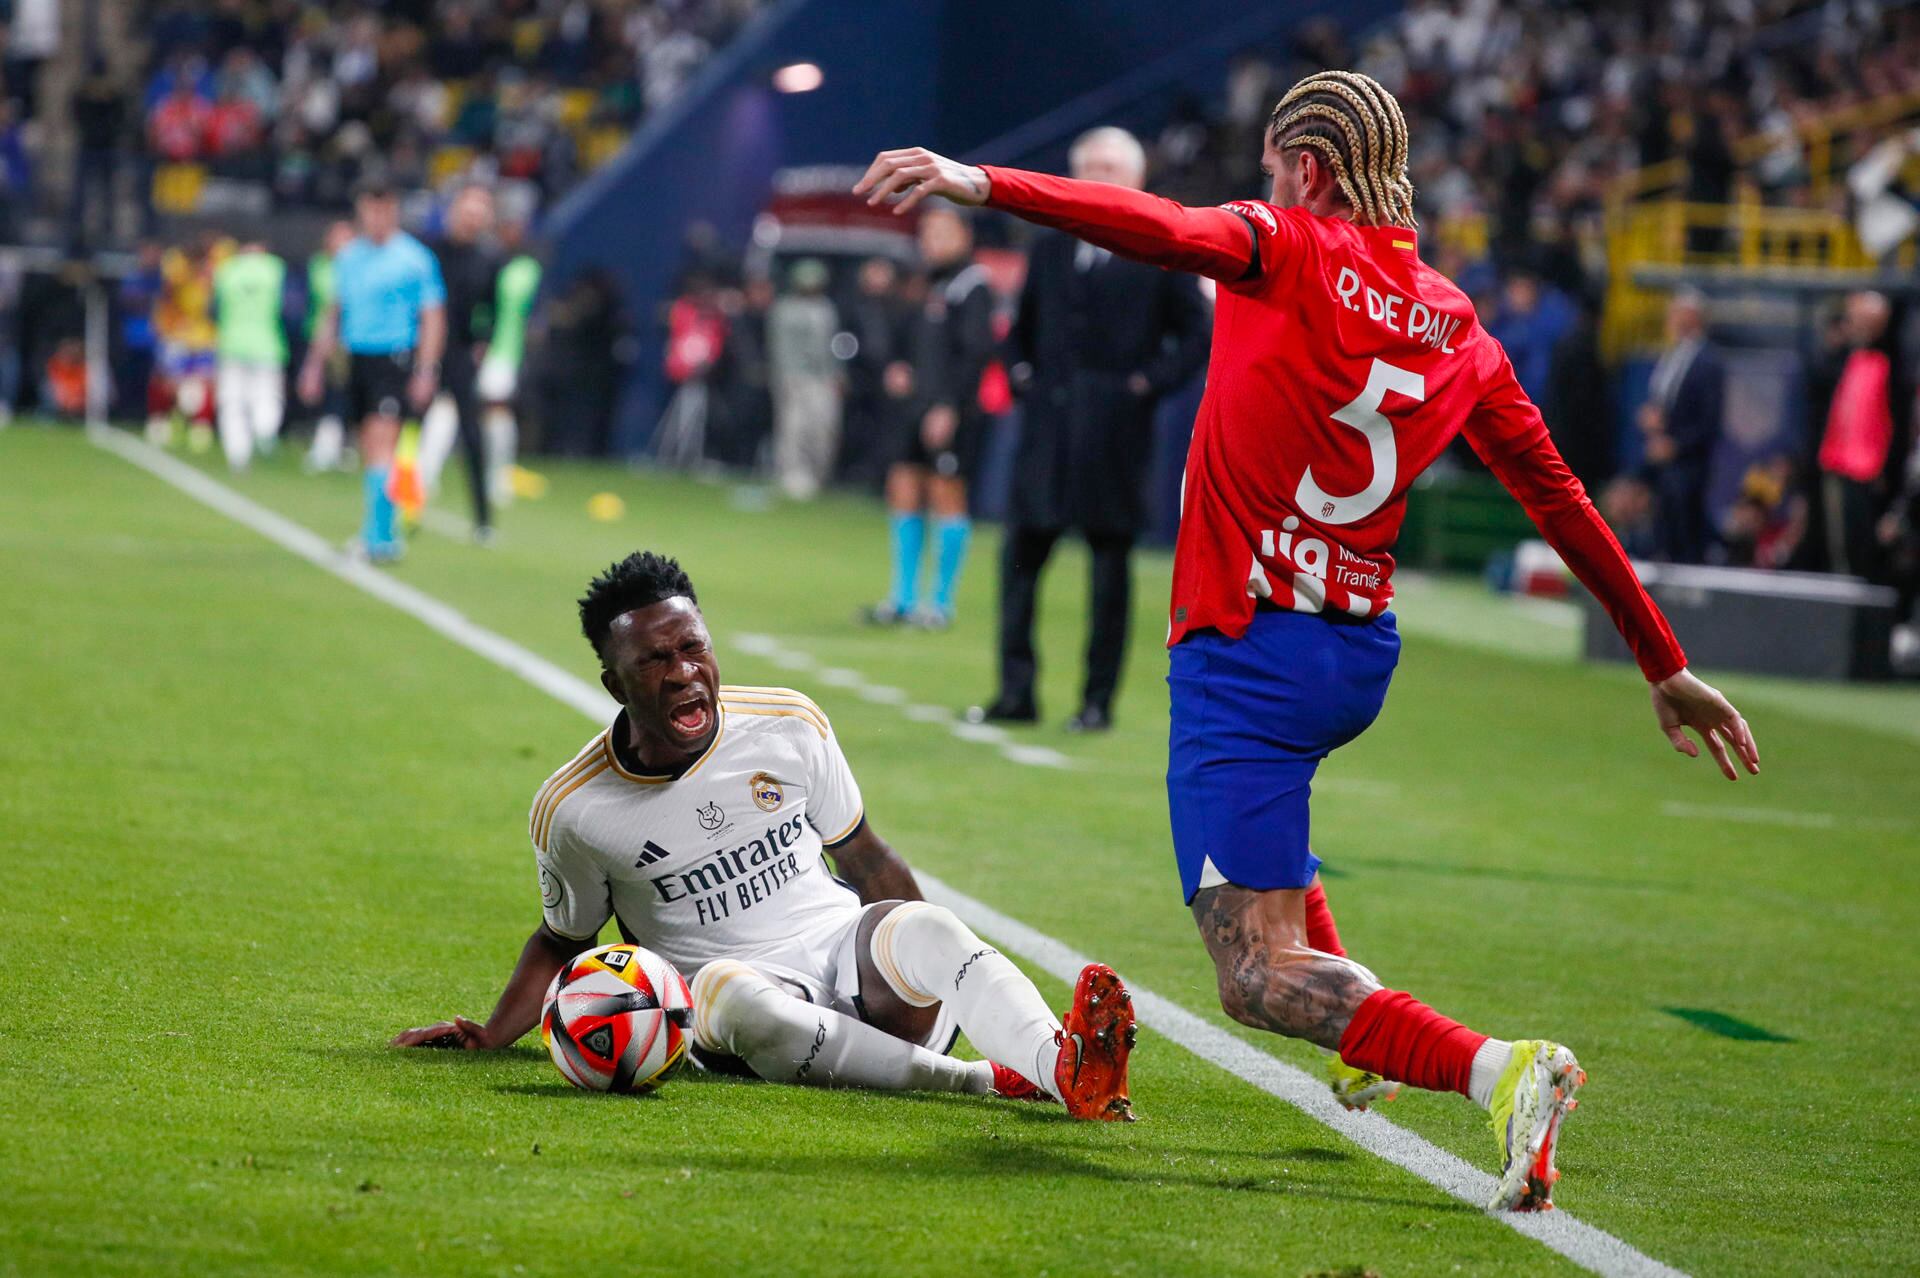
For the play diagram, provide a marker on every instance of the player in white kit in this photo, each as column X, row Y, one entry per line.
column 702, row 822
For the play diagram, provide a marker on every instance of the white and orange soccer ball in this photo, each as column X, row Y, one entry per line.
column 618, row 1019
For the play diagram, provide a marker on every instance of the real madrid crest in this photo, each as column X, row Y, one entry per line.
column 767, row 794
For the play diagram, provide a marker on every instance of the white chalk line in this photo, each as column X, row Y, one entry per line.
column 1590, row 1247
column 782, row 654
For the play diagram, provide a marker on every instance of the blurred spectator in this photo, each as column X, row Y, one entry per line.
column 135, row 298
column 527, row 90
column 1529, row 109
column 1098, row 340
column 1767, row 520
column 471, row 270
column 1681, row 423
column 586, row 336
column 1900, row 542
column 32, row 37
column 63, row 387
column 877, row 319
column 11, row 279
column 696, row 340
column 1870, row 396
column 498, row 381
column 1626, row 503
column 742, row 408
column 950, row 344
column 250, row 391
column 234, row 126
column 16, row 170
column 99, row 119
column 1530, row 321
column 182, row 380
column 177, row 124
column 1580, row 399
column 806, row 381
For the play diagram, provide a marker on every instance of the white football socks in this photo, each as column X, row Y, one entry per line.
column 927, row 956
column 236, row 436
column 786, row 1039
column 439, row 428
column 329, row 442
column 503, row 446
column 1488, row 1064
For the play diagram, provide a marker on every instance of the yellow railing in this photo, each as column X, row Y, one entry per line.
column 1817, row 136
column 1649, row 224
column 1749, row 237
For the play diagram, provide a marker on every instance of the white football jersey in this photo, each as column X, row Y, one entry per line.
column 724, row 860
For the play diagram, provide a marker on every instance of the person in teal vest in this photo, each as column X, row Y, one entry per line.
column 250, row 345
column 499, row 376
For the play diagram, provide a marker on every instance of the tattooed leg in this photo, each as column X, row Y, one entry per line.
column 1269, row 977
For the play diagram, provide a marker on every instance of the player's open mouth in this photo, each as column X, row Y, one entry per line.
column 691, row 719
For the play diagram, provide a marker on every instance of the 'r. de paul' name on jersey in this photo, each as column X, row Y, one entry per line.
column 725, row 860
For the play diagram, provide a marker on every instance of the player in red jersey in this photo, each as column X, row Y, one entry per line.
column 1342, row 366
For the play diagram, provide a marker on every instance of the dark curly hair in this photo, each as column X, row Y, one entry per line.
column 640, row 579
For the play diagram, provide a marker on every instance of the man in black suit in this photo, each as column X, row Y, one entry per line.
column 1681, row 422
column 1096, row 343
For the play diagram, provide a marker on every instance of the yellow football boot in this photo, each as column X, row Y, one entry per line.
column 1357, row 1088
column 1534, row 1093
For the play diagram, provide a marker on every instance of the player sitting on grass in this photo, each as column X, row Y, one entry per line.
column 701, row 822
column 1342, row 366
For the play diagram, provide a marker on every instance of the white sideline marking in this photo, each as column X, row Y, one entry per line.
column 1585, row 1245
column 771, row 648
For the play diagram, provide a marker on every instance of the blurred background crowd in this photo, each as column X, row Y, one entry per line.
column 1691, row 224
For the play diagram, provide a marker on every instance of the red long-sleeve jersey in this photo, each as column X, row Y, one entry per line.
column 1341, row 366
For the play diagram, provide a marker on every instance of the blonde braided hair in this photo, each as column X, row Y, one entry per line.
column 1354, row 124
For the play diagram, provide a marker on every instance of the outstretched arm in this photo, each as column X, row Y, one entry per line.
column 518, row 1010
column 1508, row 433
column 1206, row 241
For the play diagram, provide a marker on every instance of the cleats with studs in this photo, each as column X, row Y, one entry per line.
column 1534, row 1093
column 1356, row 1089
column 1096, row 1037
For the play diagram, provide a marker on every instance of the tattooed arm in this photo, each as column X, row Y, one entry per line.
column 1269, row 978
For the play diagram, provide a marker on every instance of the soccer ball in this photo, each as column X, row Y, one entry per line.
column 617, row 1019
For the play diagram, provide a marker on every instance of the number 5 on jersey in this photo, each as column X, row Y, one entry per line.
column 1363, row 414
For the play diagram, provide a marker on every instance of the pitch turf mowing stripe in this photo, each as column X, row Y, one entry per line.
column 1590, row 1247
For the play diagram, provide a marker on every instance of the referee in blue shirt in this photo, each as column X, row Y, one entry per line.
column 390, row 312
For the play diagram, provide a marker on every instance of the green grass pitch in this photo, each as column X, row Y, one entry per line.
column 252, row 822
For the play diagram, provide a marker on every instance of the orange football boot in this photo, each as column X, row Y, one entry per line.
column 1096, row 1036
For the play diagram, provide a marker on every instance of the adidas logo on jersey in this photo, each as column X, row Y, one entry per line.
column 650, row 853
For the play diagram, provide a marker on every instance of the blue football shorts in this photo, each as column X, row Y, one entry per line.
column 1252, row 718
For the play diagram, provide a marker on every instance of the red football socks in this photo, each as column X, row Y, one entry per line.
column 1322, row 935
column 1396, row 1036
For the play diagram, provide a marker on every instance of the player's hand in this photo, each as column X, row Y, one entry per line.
column 458, row 1034
column 937, row 427
column 312, row 384
column 1684, row 701
column 422, row 386
column 909, row 176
